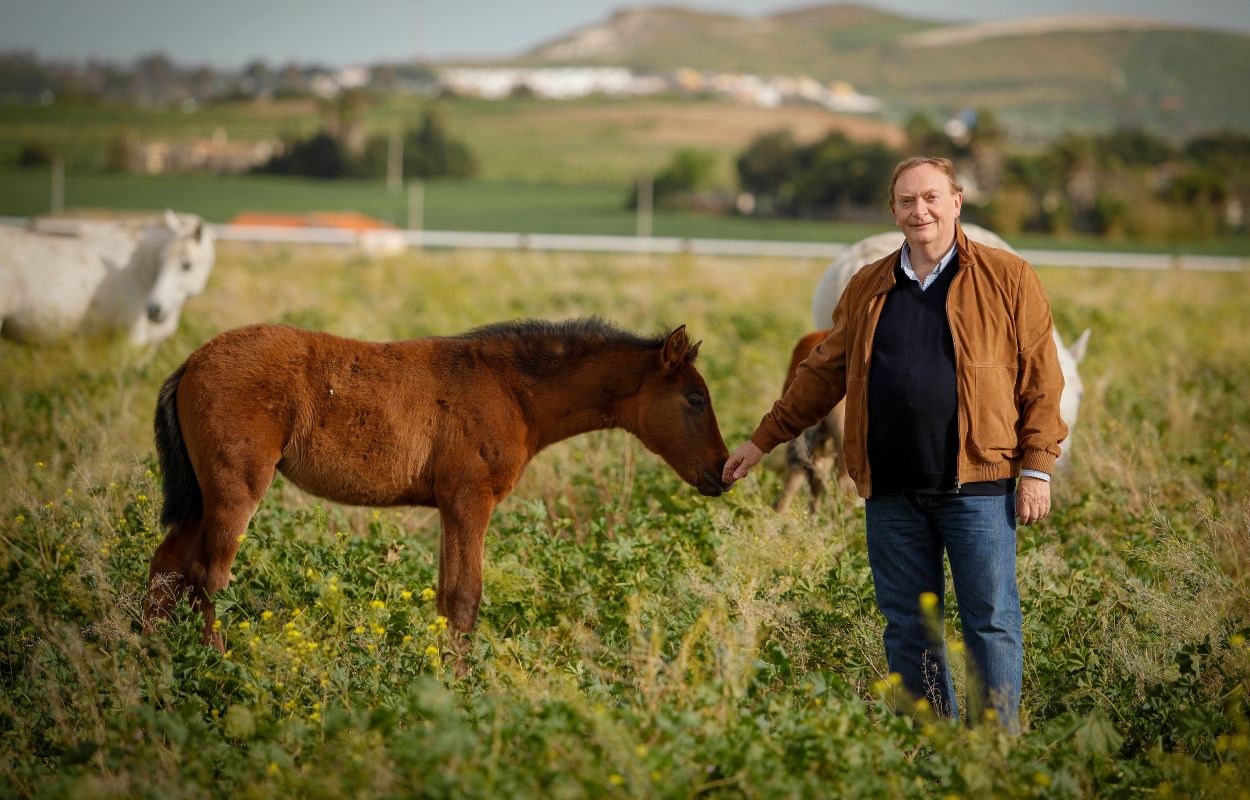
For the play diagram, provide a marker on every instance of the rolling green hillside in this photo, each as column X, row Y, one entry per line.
column 1040, row 75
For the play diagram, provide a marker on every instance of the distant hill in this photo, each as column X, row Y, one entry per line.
column 1039, row 75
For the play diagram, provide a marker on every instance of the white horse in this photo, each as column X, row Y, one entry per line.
column 105, row 278
column 808, row 456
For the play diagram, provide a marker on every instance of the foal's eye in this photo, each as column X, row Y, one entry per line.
column 186, row 266
column 696, row 401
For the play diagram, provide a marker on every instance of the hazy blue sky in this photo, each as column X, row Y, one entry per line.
column 334, row 32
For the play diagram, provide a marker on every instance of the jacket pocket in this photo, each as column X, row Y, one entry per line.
column 994, row 412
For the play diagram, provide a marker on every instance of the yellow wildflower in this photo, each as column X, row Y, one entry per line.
column 244, row 625
column 928, row 601
column 405, row 595
column 266, row 615
column 358, row 629
column 427, row 594
column 616, row 780
column 272, row 769
column 431, row 651
column 377, row 604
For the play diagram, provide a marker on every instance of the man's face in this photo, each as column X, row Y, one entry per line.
column 925, row 207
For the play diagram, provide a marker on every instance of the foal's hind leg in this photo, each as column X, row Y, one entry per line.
column 794, row 477
column 167, row 579
column 231, row 496
column 195, row 556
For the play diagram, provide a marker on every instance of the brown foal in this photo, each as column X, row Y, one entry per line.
column 449, row 422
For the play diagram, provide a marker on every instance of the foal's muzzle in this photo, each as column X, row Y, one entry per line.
column 710, row 484
column 155, row 312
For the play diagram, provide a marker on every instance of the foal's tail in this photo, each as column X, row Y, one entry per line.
column 183, row 500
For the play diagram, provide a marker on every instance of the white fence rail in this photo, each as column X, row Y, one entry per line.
column 388, row 240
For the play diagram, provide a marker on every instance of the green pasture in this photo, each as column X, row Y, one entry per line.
column 469, row 206
column 636, row 639
column 447, row 205
column 546, row 167
column 593, row 141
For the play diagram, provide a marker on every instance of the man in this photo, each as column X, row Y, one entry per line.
column 944, row 353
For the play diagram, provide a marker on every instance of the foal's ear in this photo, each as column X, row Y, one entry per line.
column 676, row 349
column 199, row 232
column 171, row 220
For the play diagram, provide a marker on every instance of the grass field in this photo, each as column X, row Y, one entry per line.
column 546, row 166
column 595, row 141
column 472, row 206
column 636, row 640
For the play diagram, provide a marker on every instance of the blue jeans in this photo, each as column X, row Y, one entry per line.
column 907, row 534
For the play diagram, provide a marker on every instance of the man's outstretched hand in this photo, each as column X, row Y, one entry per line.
column 740, row 462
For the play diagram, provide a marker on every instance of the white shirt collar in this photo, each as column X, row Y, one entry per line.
column 932, row 276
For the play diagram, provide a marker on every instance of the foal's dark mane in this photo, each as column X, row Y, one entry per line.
column 539, row 347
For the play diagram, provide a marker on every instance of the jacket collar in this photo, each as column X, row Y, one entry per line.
column 964, row 245
column 885, row 280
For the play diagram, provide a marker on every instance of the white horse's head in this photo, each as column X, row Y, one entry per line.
column 1073, row 388
column 185, row 259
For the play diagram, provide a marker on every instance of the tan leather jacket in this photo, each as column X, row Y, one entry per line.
column 1008, row 377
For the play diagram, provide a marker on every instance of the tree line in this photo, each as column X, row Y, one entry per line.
column 1121, row 184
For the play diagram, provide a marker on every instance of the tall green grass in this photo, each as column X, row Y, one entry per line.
column 635, row 639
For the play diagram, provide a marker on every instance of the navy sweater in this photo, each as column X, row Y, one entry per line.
column 913, row 430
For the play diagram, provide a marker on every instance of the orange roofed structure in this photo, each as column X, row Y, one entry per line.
column 350, row 220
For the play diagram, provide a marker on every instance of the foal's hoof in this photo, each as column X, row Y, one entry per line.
column 214, row 638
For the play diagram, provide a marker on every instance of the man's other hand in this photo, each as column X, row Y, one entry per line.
column 1032, row 499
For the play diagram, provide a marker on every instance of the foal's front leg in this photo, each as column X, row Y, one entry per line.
column 465, row 517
